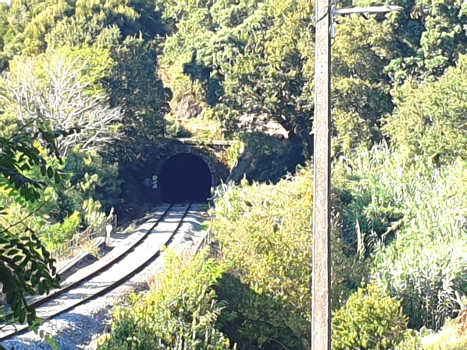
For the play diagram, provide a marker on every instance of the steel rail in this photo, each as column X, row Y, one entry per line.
column 23, row 328
column 68, row 286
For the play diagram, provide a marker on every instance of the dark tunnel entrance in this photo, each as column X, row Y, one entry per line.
column 185, row 178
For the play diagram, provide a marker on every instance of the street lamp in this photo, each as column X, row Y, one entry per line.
column 321, row 288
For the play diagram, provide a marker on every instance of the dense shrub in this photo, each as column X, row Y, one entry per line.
column 450, row 337
column 369, row 320
column 89, row 185
column 90, row 175
column 180, row 312
column 431, row 117
column 58, row 233
column 411, row 214
column 251, row 319
column 265, row 234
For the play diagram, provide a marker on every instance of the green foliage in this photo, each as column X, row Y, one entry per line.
column 448, row 338
column 242, row 64
column 231, row 156
column 430, row 118
column 38, row 97
column 30, row 27
column 429, row 36
column 369, row 320
column 60, row 89
column 203, row 128
column 87, row 183
column 424, row 266
column 361, row 87
column 365, row 184
column 242, row 58
column 265, row 235
column 265, row 158
column 26, row 266
column 250, row 319
column 18, row 155
column 179, row 312
column 90, row 175
column 58, row 233
column 135, row 86
column 264, row 232
column 412, row 341
column 412, row 216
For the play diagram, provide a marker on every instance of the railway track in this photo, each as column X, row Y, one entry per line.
column 108, row 273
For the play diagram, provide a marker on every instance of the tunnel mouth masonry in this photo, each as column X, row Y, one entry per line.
column 185, row 178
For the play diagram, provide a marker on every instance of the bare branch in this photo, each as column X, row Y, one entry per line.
column 60, row 97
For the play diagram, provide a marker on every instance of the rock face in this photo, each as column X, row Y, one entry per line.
column 189, row 107
column 241, row 166
column 267, row 158
column 262, row 123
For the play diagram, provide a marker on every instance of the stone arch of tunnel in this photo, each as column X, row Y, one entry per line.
column 185, row 178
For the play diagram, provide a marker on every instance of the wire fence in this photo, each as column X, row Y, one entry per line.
column 82, row 239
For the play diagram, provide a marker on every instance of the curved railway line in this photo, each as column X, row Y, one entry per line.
column 120, row 265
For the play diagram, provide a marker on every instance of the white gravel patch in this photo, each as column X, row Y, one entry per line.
column 76, row 329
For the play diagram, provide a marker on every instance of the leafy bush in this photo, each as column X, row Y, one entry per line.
column 266, row 158
column 369, row 320
column 90, row 176
column 179, row 312
column 265, row 234
column 58, row 233
column 431, row 116
column 412, row 341
column 412, row 216
column 251, row 319
column 450, row 337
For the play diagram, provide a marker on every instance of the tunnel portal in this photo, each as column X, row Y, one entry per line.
column 185, row 178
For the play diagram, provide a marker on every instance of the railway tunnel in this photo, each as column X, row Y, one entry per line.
column 185, row 178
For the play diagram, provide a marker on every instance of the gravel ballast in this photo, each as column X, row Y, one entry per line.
column 78, row 328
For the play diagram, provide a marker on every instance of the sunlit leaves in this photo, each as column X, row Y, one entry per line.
column 431, row 117
column 17, row 157
column 408, row 216
column 257, row 56
column 180, row 311
column 26, row 268
column 369, row 320
column 265, row 235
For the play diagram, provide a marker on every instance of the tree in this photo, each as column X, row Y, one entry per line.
column 243, row 58
column 431, row 117
column 27, row 25
column 56, row 89
column 135, row 86
column 429, row 36
column 25, row 264
column 362, row 49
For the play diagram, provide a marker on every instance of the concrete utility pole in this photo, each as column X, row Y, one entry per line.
column 321, row 289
